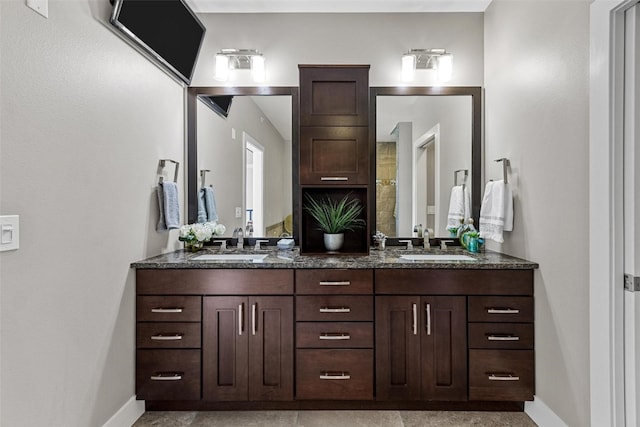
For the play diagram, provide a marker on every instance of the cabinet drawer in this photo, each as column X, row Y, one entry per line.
column 501, row 375
column 168, row 374
column 168, row 335
column 334, row 335
column 334, row 308
column 501, row 335
column 334, row 374
column 168, row 309
column 326, row 281
column 500, row 309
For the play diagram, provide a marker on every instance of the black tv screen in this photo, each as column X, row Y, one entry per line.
column 166, row 29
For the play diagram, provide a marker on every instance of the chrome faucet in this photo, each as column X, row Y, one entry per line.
column 425, row 241
column 237, row 233
column 408, row 242
column 258, row 241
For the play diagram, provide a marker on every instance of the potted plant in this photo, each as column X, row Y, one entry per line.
column 335, row 217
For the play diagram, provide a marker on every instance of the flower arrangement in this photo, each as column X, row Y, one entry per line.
column 194, row 235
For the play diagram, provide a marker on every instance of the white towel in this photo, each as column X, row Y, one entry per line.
column 496, row 212
column 459, row 206
column 169, row 206
column 207, row 211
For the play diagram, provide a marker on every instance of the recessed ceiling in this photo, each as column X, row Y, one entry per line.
column 337, row 6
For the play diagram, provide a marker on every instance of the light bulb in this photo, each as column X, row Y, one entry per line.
column 445, row 67
column 408, row 67
column 257, row 68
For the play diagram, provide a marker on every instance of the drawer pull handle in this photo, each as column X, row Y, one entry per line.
column 335, row 376
column 167, row 310
column 174, row 376
column 334, row 178
column 503, row 377
column 335, row 310
column 503, row 311
column 160, row 337
column 503, row 338
column 414, row 319
column 335, row 336
column 335, row 283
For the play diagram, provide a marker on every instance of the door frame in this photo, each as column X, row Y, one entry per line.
column 606, row 276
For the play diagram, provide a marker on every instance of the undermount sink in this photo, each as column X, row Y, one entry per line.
column 436, row 257
column 231, row 257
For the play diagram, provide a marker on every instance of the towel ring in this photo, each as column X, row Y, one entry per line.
column 455, row 176
column 505, row 166
column 162, row 165
column 203, row 173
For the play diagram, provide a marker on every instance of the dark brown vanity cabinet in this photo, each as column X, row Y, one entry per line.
column 501, row 360
column 247, row 352
column 421, row 348
column 216, row 335
column 334, row 150
column 334, row 330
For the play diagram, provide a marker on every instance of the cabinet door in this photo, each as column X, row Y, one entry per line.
column 334, row 155
column 225, row 348
column 334, row 95
column 271, row 348
column 444, row 348
column 398, row 348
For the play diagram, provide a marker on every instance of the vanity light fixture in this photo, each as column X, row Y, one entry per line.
column 228, row 60
column 427, row 59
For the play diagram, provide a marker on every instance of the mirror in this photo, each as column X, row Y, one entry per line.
column 427, row 140
column 240, row 144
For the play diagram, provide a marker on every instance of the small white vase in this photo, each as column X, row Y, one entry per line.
column 333, row 242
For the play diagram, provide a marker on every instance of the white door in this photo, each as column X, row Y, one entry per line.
column 632, row 216
column 254, row 184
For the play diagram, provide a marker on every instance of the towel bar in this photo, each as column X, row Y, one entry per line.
column 175, row 175
column 505, row 166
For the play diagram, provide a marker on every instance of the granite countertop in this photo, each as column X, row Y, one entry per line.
column 389, row 258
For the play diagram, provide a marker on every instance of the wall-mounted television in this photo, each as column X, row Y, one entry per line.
column 167, row 30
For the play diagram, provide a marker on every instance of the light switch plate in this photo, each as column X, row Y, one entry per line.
column 238, row 212
column 40, row 6
column 9, row 232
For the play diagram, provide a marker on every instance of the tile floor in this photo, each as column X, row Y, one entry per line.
column 335, row 419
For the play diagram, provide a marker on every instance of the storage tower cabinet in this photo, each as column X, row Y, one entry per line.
column 334, row 150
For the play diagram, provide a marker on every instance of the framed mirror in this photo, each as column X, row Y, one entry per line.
column 241, row 144
column 427, row 139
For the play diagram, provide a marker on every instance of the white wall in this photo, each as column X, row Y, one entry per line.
column 376, row 39
column 536, row 114
column 85, row 119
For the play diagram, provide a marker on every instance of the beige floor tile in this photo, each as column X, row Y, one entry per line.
column 245, row 419
column 165, row 419
column 465, row 419
column 349, row 419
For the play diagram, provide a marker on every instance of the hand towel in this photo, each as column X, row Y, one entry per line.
column 171, row 205
column 496, row 211
column 207, row 211
column 162, row 225
column 459, row 206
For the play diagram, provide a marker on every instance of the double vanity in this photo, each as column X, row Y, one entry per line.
column 391, row 329
column 365, row 329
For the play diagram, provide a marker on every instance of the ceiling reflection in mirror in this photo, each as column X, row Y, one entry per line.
column 244, row 154
column 420, row 142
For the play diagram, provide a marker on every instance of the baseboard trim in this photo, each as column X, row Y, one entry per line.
column 128, row 414
column 542, row 415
